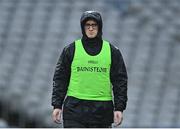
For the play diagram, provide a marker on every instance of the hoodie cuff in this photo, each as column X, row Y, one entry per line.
column 57, row 106
column 118, row 109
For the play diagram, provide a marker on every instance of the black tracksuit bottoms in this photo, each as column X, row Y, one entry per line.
column 77, row 124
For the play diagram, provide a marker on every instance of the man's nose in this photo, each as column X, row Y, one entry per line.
column 91, row 28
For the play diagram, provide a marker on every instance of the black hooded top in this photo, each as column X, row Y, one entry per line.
column 118, row 74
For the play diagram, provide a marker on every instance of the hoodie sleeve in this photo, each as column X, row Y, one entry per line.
column 61, row 78
column 119, row 79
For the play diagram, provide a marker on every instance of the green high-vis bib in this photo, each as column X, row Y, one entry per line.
column 90, row 75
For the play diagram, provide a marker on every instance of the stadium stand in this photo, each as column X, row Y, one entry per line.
column 34, row 32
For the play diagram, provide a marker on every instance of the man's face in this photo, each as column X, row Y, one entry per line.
column 91, row 29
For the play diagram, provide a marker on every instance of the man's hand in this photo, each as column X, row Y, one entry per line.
column 118, row 117
column 56, row 115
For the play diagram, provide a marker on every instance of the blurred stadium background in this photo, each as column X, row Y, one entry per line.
column 34, row 32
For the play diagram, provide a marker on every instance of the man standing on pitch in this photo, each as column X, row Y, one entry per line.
column 90, row 80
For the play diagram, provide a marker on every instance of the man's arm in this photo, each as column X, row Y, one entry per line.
column 61, row 78
column 119, row 80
